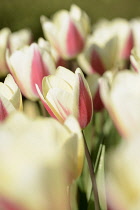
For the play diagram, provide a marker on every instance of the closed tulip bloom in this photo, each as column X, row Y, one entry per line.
column 71, row 28
column 4, row 37
column 39, row 159
column 10, row 97
column 28, row 66
column 120, row 94
column 66, row 93
column 19, row 39
column 110, row 43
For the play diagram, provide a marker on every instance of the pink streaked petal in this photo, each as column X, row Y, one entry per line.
column 47, row 107
column 39, row 70
column 3, row 112
column 64, row 112
column 85, row 104
column 74, row 41
column 6, row 204
column 128, row 46
column 96, row 63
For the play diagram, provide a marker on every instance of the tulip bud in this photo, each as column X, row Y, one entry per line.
column 66, row 93
column 19, row 39
column 39, row 160
column 71, row 29
column 10, row 97
column 120, row 94
column 28, row 67
column 4, row 35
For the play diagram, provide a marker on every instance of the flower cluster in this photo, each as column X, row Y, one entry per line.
column 70, row 96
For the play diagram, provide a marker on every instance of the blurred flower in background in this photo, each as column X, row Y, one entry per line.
column 10, row 97
column 67, row 31
column 28, row 66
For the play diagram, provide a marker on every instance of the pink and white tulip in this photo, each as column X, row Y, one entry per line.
column 120, row 94
column 10, row 97
column 66, row 93
column 109, row 45
column 28, row 67
column 67, row 31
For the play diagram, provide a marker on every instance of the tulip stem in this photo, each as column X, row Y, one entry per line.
column 42, row 109
column 92, row 175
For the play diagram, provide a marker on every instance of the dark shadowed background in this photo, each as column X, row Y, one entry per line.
column 17, row 14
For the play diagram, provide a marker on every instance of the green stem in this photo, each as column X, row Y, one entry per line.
column 92, row 175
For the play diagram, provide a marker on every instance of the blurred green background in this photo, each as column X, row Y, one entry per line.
column 17, row 14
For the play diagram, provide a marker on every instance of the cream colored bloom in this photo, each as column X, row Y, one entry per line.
column 120, row 93
column 10, row 97
column 109, row 44
column 66, row 93
column 28, row 66
column 67, row 31
column 38, row 160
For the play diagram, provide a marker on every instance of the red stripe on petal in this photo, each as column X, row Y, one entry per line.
column 9, row 205
column 3, row 112
column 128, row 46
column 38, row 70
column 96, row 63
column 74, row 41
column 85, row 104
column 65, row 113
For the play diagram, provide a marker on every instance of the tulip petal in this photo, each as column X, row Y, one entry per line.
column 61, row 102
column 74, row 41
column 72, row 124
column 66, row 75
column 45, row 102
column 3, row 111
column 85, row 100
column 38, row 69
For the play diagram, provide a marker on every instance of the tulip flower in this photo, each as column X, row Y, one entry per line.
column 19, row 39
column 122, row 176
column 110, row 43
column 66, row 93
column 4, row 35
column 71, row 28
column 39, row 159
column 28, row 66
column 120, row 94
column 10, row 97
